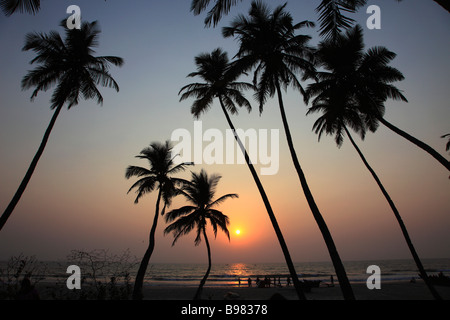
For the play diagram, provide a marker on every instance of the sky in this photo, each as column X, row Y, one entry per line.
column 77, row 198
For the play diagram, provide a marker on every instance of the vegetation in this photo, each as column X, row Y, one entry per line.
column 159, row 176
column 270, row 46
column 219, row 76
column 200, row 192
column 70, row 65
column 349, row 88
column 105, row 276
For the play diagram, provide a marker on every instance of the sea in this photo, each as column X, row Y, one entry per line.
column 226, row 275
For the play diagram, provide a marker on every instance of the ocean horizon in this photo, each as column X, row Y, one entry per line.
column 222, row 274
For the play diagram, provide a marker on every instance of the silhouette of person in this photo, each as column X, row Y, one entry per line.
column 267, row 280
column 27, row 291
column 249, row 282
column 288, row 281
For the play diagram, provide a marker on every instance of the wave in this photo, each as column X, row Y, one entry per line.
column 229, row 274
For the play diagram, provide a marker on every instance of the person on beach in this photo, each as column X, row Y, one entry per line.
column 267, row 281
column 249, row 282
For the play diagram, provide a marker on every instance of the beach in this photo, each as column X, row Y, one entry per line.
column 402, row 290
column 398, row 281
column 396, row 290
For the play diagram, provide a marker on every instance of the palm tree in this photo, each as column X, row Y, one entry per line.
column 342, row 92
column 268, row 44
column 158, row 176
column 200, row 193
column 330, row 12
column 220, row 82
column 417, row 142
column 71, row 66
column 12, row 6
column 375, row 78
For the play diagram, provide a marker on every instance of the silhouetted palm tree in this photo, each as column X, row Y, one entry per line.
column 220, row 82
column 71, row 66
column 331, row 17
column 269, row 45
column 373, row 80
column 342, row 92
column 12, row 6
column 158, row 176
column 200, row 192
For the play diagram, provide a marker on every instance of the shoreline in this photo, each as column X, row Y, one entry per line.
column 392, row 290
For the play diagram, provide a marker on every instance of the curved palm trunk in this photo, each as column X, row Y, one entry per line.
column 30, row 171
column 417, row 142
column 444, row 4
column 284, row 248
column 422, row 272
column 198, row 294
column 138, row 283
column 344, row 283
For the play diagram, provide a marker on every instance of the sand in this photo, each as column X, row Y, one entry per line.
column 401, row 290
column 389, row 291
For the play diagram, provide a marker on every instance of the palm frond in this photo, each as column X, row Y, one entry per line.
column 214, row 15
column 331, row 16
column 136, row 171
column 182, row 226
column 447, row 148
column 12, row 6
column 222, row 199
column 177, row 213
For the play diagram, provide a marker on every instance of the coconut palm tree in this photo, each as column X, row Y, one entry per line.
column 331, row 16
column 373, row 76
column 342, row 92
column 270, row 46
column 12, row 6
column 71, row 66
column 159, row 177
column 200, row 192
column 219, row 78
column 330, row 12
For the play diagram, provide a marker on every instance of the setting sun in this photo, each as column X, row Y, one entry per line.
column 238, row 231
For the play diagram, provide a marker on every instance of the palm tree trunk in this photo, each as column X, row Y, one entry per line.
column 198, row 294
column 284, row 248
column 344, row 283
column 30, row 171
column 417, row 142
column 444, row 3
column 422, row 272
column 138, row 283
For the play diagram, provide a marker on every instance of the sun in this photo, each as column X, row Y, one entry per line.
column 238, row 231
